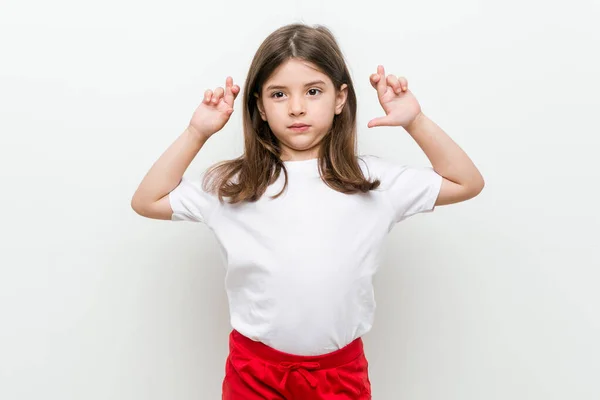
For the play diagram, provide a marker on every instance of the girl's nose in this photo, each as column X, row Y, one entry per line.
column 296, row 107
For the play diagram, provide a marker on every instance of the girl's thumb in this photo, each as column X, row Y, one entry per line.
column 381, row 121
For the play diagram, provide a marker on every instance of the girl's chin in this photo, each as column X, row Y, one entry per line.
column 300, row 144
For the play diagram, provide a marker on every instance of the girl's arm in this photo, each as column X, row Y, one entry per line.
column 151, row 199
column 462, row 179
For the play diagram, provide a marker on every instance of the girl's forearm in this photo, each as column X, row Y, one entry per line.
column 446, row 157
column 167, row 171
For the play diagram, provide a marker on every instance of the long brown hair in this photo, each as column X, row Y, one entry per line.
column 260, row 165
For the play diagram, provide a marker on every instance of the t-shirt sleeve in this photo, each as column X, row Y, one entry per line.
column 410, row 190
column 190, row 202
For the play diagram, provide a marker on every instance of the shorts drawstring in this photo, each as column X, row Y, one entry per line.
column 302, row 368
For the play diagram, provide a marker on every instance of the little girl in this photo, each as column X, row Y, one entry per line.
column 305, row 216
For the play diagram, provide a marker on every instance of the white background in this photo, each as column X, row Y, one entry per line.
column 494, row 298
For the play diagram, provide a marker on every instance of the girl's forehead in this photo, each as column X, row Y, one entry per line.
column 296, row 72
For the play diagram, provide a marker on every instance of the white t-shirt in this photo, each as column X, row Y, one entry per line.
column 299, row 268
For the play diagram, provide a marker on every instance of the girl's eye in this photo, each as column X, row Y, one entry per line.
column 276, row 94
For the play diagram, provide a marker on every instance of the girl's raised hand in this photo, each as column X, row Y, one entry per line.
column 216, row 108
column 400, row 105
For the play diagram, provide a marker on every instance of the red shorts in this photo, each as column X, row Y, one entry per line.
column 256, row 371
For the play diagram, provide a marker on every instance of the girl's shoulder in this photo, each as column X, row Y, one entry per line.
column 375, row 165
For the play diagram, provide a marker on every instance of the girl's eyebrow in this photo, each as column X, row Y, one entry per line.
column 283, row 87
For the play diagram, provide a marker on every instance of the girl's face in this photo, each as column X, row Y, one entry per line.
column 298, row 93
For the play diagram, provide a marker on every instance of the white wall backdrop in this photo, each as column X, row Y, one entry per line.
column 495, row 298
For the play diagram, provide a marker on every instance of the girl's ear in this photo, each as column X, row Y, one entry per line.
column 261, row 108
column 341, row 97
